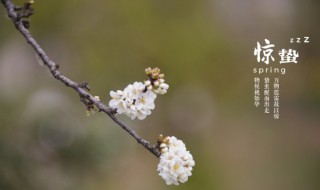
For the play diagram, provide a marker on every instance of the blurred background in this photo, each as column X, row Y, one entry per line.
column 205, row 48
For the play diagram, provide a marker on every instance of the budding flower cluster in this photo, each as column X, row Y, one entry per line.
column 137, row 99
column 176, row 163
column 156, row 81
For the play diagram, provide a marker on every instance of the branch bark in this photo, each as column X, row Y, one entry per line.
column 79, row 88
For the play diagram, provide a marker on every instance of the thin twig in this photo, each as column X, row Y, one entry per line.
column 54, row 69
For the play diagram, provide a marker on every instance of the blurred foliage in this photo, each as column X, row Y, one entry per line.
column 205, row 48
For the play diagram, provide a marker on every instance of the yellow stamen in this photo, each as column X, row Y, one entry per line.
column 175, row 167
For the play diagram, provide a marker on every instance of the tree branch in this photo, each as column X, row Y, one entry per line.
column 86, row 97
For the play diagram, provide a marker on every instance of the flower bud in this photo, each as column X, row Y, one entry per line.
column 156, row 83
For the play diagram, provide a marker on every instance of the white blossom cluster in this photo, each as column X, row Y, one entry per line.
column 133, row 101
column 175, row 161
column 137, row 99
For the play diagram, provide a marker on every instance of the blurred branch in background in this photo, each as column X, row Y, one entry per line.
column 18, row 16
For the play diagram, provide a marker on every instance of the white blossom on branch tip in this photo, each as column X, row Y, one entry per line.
column 176, row 163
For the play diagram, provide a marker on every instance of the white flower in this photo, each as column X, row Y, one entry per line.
column 118, row 101
column 134, row 90
column 144, row 104
column 163, row 88
column 175, row 161
column 133, row 101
